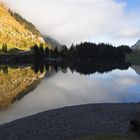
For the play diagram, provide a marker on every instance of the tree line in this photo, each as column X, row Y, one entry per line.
column 84, row 50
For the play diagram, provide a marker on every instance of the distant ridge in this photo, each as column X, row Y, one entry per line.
column 52, row 42
column 136, row 68
column 136, row 46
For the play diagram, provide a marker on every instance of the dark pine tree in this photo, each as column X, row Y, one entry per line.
column 41, row 49
column 36, row 52
column 47, row 52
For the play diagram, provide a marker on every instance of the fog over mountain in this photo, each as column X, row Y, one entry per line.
column 78, row 20
column 17, row 32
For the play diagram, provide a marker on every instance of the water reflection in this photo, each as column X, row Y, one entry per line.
column 19, row 79
column 85, row 67
column 74, row 83
column 16, row 83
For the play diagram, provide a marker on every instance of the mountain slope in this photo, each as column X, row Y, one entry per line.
column 136, row 46
column 16, row 32
column 52, row 42
column 136, row 68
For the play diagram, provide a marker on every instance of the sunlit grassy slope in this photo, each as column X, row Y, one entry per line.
column 16, row 32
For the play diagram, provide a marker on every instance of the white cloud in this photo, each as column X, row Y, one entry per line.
column 78, row 20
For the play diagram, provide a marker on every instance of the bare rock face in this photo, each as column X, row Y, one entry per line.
column 136, row 46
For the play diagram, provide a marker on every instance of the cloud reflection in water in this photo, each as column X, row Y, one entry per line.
column 69, row 89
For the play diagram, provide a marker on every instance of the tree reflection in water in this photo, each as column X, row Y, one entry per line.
column 85, row 67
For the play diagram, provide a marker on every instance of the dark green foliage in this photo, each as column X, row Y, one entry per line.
column 86, row 58
column 124, row 48
column 4, row 69
column 4, row 48
column 42, row 51
column 84, row 52
column 134, row 57
column 36, row 52
column 64, row 51
column 39, row 52
column 55, row 53
column 91, row 51
column 47, row 52
column 94, row 51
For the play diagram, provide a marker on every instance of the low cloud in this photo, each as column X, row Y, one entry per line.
column 73, row 21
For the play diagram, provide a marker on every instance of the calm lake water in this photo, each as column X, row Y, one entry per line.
column 25, row 93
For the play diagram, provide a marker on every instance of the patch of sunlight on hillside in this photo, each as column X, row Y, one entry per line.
column 15, row 35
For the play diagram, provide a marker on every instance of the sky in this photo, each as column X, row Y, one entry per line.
column 73, row 21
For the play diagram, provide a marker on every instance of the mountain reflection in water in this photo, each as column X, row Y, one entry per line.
column 74, row 83
column 16, row 82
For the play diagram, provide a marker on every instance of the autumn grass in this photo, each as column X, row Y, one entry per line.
column 15, row 34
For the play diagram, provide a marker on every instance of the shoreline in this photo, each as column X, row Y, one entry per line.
column 71, row 122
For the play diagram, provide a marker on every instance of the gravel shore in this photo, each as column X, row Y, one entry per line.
column 70, row 122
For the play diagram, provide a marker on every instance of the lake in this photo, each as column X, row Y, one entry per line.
column 26, row 91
